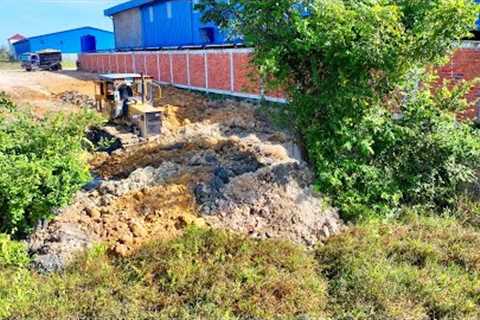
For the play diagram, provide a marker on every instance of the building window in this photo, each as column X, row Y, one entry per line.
column 169, row 9
column 150, row 14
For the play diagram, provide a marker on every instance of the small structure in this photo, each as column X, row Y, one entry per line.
column 130, row 99
column 11, row 41
column 144, row 24
column 69, row 42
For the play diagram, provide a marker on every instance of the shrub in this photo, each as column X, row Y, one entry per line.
column 6, row 104
column 422, row 157
column 12, row 253
column 418, row 268
column 41, row 166
column 344, row 64
column 205, row 274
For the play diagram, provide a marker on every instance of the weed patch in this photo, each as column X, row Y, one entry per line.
column 418, row 268
column 204, row 274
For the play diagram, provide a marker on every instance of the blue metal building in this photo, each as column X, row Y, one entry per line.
column 140, row 24
column 74, row 41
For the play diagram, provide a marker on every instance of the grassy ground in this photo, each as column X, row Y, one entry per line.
column 15, row 65
column 8, row 65
column 417, row 267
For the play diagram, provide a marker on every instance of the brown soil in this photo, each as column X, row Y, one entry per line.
column 132, row 219
column 215, row 163
column 39, row 89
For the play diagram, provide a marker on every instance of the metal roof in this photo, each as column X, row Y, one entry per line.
column 126, row 6
column 64, row 31
column 16, row 37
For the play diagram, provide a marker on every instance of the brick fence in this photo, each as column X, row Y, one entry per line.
column 222, row 71
column 465, row 65
column 228, row 71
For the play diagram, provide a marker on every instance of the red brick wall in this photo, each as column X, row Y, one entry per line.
column 139, row 63
column 165, row 68
column 197, row 70
column 464, row 65
column 246, row 78
column 230, row 72
column 224, row 71
column 152, row 68
column 218, row 70
column 180, row 70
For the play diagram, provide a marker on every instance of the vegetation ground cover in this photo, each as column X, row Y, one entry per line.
column 422, row 267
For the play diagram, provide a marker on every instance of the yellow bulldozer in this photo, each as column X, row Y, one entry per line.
column 131, row 99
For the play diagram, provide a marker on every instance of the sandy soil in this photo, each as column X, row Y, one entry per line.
column 38, row 88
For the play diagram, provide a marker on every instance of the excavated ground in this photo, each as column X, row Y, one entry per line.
column 43, row 91
column 217, row 163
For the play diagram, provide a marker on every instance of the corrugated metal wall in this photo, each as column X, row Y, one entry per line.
column 175, row 23
column 21, row 47
column 67, row 42
column 167, row 23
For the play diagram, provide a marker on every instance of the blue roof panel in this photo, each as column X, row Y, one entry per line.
column 65, row 31
column 126, row 6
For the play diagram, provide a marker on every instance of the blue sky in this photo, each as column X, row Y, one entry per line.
column 34, row 17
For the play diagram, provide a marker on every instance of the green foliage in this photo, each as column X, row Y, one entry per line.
column 421, row 155
column 419, row 268
column 4, row 54
column 204, row 274
column 344, row 64
column 106, row 143
column 12, row 253
column 6, row 104
column 41, row 166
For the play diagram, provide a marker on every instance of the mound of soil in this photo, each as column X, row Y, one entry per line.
column 76, row 98
column 273, row 202
column 220, row 164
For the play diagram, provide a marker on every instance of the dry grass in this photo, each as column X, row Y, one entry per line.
column 419, row 268
column 7, row 65
column 202, row 275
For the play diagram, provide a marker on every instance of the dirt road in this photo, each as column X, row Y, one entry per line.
column 39, row 88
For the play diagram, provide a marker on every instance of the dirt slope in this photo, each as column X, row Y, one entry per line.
column 216, row 163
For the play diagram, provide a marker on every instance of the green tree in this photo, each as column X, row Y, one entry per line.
column 346, row 66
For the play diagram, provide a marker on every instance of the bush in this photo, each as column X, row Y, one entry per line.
column 6, row 104
column 204, row 274
column 422, row 157
column 41, row 166
column 12, row 253
column 344, row 65
column 419, row 268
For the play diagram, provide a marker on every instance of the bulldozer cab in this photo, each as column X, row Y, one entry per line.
column 131, row 99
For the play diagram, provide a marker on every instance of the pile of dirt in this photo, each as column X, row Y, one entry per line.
column 76, row 98
column 122, row 213
column 216, row 163
column 273, row 202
